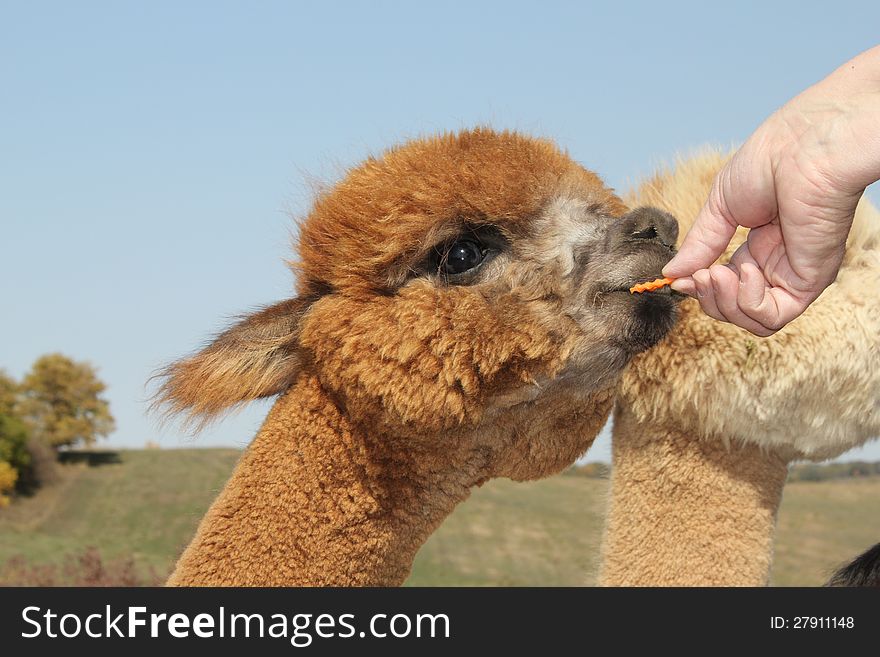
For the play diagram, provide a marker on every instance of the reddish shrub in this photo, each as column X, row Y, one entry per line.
column 86, row 568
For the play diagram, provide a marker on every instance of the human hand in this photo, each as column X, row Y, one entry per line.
column 795, row 184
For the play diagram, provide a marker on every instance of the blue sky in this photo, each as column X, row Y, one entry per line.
column 150, row 152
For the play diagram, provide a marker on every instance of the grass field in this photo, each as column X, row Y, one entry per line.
column 147, row 506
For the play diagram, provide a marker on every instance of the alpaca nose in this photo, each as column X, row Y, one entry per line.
column 649, row 224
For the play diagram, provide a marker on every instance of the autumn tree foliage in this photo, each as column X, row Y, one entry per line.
column 14, row 455
column 8, row 394
column 8, row 477
column 61, row 402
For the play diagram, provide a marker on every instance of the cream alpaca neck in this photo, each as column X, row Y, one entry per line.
column 688, row 512
column 315, row 502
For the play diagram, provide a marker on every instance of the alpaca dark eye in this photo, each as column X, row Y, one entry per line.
column 460, row 260
column 462, row 256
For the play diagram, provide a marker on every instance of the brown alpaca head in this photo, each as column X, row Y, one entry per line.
column 469, row 289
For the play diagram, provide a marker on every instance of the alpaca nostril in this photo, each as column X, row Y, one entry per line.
column 647, row 233
column 667, row 229
column 651, row 224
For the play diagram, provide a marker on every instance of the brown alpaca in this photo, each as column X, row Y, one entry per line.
column 707, row 422
column 462, row 313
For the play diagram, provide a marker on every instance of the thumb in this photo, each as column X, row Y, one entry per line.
column 706, row 240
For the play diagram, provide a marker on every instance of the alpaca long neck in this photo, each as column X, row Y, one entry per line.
column 687, row 511
column 313, row 502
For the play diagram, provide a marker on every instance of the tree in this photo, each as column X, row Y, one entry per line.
column 8, row 477
column 8, row 394
column 14, row 455
column 62, row 403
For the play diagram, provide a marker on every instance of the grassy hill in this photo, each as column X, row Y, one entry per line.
column 146, row 506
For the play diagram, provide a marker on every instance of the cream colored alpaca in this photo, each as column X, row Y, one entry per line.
column 707, row 422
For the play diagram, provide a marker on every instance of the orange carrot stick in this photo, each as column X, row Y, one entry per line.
column 650, row 286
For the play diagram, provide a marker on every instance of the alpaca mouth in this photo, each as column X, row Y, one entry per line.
column 649, row 315
column 637, row 268
column 626, row 288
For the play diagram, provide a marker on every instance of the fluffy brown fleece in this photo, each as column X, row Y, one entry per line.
column 405, row 383
column 728, row 411
column 316, row 501
column 360, row 236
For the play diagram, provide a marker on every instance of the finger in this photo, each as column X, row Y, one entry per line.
column 743, row 255
column 752, row 289
column 706, row 240
column 772, row 307
column 753, row 285
column 706, row 294
column 685, row 285
column 727, row 287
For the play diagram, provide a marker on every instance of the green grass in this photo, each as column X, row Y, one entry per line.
column 147, row 507
column 539, row 533
column 518, row 534
column 823, row 525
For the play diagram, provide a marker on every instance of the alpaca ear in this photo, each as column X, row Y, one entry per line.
column 257, row 357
